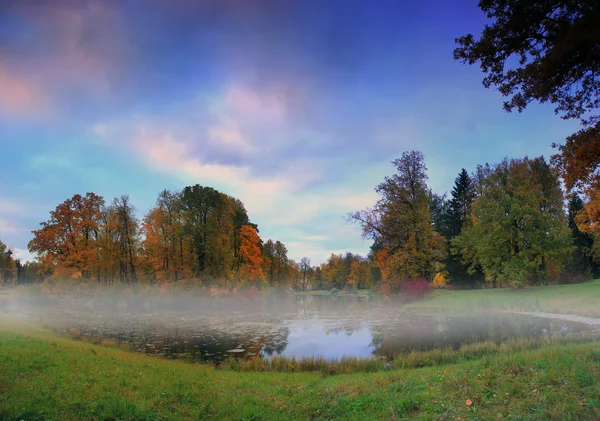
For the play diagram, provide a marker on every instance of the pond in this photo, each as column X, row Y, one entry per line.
column 303, row 326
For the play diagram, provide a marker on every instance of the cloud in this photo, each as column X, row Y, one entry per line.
column 166, row 154
column 19, row 95
column 63, row 52
column 9, row 227
column 11, row 207
column 23, row 254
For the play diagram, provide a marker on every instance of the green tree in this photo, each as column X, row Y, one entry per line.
column 463, row 195
column 7, row 265
column 519, row 233
column 439, row 208
column 548, row 51
column 459, row 216
column 400, row 224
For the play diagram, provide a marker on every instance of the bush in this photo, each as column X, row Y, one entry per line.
column 415, row 288
column 334, row 291
column 439, row 280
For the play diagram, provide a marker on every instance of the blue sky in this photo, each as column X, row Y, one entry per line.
column 295, row 107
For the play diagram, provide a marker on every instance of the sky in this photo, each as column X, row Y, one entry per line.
column 295, row 107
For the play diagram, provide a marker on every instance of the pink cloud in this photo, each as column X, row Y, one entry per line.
column 17, row 94
column 85, row 48
column 166, row 154
column 267, row 104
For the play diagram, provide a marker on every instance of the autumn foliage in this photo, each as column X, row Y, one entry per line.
column 197, row 236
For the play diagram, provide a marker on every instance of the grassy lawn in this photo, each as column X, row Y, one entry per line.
column 44, row 377
column 582, row 299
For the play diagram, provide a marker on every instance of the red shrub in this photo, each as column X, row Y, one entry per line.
column 418, row 287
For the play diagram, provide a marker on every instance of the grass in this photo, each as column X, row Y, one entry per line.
column 581, row 299
column 44, row 377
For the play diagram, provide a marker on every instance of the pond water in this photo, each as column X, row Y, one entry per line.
column 304, row 326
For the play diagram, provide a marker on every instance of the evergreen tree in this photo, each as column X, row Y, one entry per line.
column 458, row 216
column 463, row 194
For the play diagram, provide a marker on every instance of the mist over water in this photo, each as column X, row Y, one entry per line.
column 212, row 329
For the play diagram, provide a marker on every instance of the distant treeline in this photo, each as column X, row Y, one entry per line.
column 503, row 224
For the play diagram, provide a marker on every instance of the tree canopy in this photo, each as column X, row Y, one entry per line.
column 548, row 51
column 400, row 224
column 518, row 233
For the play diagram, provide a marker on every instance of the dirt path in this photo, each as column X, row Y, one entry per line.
column 591, row 321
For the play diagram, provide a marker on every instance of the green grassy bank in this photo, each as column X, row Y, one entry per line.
column 582, row 299
column 44, row 377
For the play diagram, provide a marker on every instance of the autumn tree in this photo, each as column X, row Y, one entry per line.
column 548, row 51
column 400, row 224
column 333, row 272
column 518, row 233
column 584, row 256
column 361, row 273
column 250, row 256
column 67, row 242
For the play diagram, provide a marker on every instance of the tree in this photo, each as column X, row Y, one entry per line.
column 7, row 265
column 439, row 208
column 209, row 223
column 305, row 271
column 68, row 240
column 548, row 51
column 281, row 258
column 518, row 233
column 250, row 256
column 333, row 273
column 127, row 228
column 556, row 44
column 459, row 216
column 583, row 253
column 463, row 194
column 400, row 224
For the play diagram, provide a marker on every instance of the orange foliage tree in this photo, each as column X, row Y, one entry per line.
column 250, row 256
column 68, row 240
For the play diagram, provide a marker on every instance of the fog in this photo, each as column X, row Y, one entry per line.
column 212, row 329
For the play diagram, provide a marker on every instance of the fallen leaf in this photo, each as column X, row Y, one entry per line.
column 534, row 391
column 468, row 402
column 581, row 404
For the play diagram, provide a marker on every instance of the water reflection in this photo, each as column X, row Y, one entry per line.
column 304, row 326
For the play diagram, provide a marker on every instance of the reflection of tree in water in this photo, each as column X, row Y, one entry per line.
column 311, row 306
column 435, row 332
column 205, row 343
column 346, row 326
